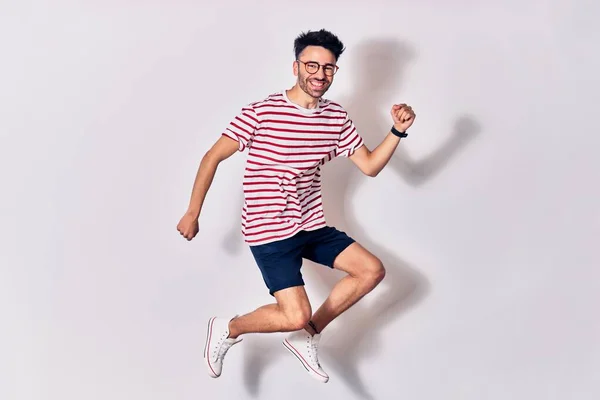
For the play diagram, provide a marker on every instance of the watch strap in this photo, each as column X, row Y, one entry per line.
column 398, row 133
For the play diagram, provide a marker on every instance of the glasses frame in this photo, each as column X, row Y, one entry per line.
column 319, row 66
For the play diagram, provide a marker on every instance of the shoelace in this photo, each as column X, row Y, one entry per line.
column 223, row 345
column 312, row 347
column 314, row 350
column 224, row 349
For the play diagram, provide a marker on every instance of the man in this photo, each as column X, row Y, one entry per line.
column 289, row 135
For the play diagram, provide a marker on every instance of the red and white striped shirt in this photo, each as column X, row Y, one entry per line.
column 287, row 145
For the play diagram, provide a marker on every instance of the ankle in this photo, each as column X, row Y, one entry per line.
column 311, row 328
column 233, row 333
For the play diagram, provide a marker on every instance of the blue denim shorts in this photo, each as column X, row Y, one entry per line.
column 280, row 261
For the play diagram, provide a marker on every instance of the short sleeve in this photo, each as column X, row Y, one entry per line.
column 350, row 139
column 243, row 127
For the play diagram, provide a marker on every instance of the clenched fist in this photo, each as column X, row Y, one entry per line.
column 403, row 116
column 188, row 226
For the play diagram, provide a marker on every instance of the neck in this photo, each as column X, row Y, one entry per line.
column 298, row 96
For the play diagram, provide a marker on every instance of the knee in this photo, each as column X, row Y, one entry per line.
column 298, row 319
column 373, row 273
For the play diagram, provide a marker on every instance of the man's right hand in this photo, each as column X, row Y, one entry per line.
column 188, row 226
column 224, row 148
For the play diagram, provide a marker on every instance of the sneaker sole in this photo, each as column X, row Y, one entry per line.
column 211, row 371
column 307, row 367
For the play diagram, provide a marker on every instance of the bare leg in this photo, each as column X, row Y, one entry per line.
column 290, row 313
column 365, row 272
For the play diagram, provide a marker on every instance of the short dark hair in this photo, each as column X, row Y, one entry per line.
column 322, row 38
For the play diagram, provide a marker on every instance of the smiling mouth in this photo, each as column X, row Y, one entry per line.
column 317, row 84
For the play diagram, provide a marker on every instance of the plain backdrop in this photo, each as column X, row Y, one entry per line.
column 487, row 218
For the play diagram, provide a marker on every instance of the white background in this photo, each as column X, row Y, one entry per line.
column 488, row 217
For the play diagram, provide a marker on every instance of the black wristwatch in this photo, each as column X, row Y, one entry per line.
column 398, row 133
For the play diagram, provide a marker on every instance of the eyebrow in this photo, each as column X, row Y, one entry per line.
column 316, row 62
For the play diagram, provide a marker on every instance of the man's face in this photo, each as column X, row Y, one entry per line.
column 315, row 70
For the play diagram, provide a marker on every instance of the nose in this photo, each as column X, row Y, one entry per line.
column 320, row 73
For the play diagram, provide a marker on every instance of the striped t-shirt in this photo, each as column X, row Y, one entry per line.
column 287, row 145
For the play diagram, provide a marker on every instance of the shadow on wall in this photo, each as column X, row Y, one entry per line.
column 380, row 68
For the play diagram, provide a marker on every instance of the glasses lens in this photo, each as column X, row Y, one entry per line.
column 312, row 67
column 329, row 70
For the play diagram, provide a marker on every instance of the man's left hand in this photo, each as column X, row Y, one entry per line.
column 403, row 116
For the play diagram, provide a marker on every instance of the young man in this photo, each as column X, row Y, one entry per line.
column 289, row 135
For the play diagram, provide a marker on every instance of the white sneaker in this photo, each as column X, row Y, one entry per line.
column 217, row 344
column 304, row 346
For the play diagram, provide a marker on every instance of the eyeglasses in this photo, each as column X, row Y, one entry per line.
column 312, row 67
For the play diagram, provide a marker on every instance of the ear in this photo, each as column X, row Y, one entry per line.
column 295, row 68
